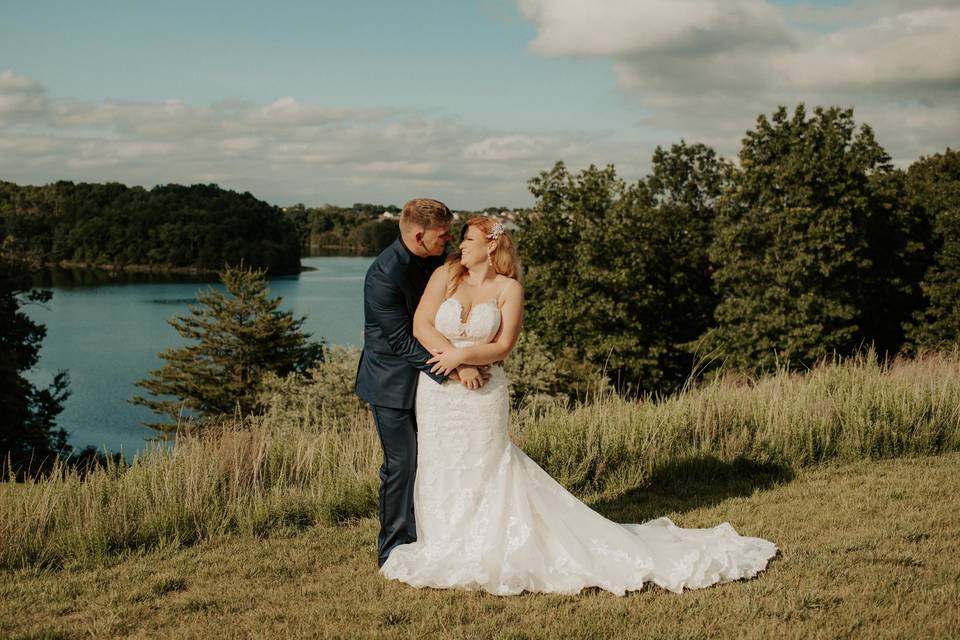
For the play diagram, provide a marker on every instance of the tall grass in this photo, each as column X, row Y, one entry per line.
column 854, row 409
column 257, row 477
column 283, row 471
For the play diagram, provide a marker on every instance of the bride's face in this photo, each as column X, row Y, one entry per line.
column 474, row 248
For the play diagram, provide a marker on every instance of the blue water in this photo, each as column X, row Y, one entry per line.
column 108, row 334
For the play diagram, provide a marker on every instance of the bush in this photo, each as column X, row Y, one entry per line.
column 323, row 395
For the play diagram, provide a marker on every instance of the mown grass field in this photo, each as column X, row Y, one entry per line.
column 868, row 550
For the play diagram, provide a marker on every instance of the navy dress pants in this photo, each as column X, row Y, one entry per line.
column 398, row 437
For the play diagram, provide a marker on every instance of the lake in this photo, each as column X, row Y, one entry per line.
column 107, row 334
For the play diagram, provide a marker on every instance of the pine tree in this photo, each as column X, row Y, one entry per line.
column 237, row 340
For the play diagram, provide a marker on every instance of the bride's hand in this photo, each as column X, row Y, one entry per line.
column 446, row 361
column 472, row 377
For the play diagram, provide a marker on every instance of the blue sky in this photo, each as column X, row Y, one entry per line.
column 380, row 101
column 462, row 60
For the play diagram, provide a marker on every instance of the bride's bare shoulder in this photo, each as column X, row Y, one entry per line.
column 439, row 279
column 441, row 273
column 509, row 287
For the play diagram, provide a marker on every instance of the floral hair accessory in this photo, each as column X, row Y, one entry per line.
column 496, row 232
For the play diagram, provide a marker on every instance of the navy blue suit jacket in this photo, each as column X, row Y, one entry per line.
column 392, row 358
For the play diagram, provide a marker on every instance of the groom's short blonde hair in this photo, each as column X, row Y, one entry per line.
column 425, row 213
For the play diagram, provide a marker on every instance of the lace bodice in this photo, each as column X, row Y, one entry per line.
column 480, row 327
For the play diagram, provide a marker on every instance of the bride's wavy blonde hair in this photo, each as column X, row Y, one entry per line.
column 505, row 260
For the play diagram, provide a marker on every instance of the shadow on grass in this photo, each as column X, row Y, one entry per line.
column 691, row 484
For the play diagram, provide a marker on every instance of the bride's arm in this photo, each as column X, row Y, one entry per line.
column 423, row 329
column 511, row 319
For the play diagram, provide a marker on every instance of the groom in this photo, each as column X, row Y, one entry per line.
column 392, row 358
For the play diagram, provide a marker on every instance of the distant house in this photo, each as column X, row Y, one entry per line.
column 389, row 215
column 508, row 216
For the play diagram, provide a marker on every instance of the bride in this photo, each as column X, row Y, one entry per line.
column 487, row 516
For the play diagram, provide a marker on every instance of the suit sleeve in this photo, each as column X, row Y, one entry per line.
column 387, row 308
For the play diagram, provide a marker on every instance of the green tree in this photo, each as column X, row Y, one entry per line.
column 575, row 277
column 934, row 187
column 373, row 236
column 801, row 267
column 617, row 274
column 237, row 340
column 686, row 184
column 200, row 226
column 29, row 439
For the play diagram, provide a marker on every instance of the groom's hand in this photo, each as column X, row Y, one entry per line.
column 473, row 377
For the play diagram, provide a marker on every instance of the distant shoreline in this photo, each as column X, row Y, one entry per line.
column 140, row 268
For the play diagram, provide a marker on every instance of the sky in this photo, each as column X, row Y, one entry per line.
column 382, row 101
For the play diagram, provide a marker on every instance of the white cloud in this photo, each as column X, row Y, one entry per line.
column 290, row 112
column 919, row 49
column 170, row 118
column 11, row 82
column 628, row 27
column 20, row 97
column 704, row 69
column 506, row 148
column 285, row 151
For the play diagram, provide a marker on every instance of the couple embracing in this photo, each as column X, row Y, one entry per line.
column 460, row 505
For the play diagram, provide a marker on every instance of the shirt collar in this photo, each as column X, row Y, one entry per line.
column 407, row 254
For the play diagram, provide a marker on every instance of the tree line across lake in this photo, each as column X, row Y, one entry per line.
column 813, row 245
column 198, row 227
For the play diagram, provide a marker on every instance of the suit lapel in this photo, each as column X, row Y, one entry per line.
column 409, row 276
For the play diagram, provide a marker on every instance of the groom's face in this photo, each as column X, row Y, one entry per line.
column 435, row 239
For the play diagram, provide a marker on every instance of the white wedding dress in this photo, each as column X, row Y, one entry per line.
column 489, row 518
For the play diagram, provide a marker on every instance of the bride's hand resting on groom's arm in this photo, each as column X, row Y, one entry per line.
column 450, row 363
column 471, row 377
column 445, row 361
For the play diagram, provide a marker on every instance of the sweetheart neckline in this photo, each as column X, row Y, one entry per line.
column 472, row 307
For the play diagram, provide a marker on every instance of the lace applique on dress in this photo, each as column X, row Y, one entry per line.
column 480, row 326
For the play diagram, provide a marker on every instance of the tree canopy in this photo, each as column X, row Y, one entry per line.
column 29, row 438
column 813, row 244
column 198, row 226
column 618, row 275
column 806, row 243
column 934, row 189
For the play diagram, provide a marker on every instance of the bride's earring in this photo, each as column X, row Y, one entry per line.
column 490, row 259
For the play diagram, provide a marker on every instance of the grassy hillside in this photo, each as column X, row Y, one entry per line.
column 301, row 464
column 868, row 549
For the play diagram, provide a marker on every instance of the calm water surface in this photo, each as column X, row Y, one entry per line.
column 108, row 335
